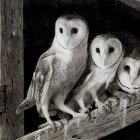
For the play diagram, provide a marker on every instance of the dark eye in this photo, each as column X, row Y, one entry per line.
column 60, row 30
column 111, row 49
column 97, row 50
column 127, row 68
column 139, row 72
column 74, row 30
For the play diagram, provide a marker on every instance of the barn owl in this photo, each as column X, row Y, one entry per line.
column 106, row 52
column 128, row 76
column 59, row 68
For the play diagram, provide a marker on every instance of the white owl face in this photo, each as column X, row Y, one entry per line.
column 106, row 52
column 129, row 73
column 70, row 33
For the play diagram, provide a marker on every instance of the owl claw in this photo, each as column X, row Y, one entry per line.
column 89, row 107
column 101, row 107
column 131, row 98
column 86, row 109
column 56, row 125
column 79, row 115
column 113, row 101
column 47, row 125
column 104, row 107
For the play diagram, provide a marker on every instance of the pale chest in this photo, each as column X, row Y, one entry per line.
column 69, row 66
column 102, row 75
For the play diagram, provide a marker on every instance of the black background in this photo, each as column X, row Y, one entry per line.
column 102, row 16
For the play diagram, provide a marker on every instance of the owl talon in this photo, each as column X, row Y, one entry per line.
column 84, row 110
column 79, row 115
column 47, row 125
column 113, row 102
column 89, row 107
column 56, row 125
column 104, row 107
column 133, row 97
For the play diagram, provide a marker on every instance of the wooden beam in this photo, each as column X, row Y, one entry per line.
column 94, row 127
column 135, row 4
column 11, row 68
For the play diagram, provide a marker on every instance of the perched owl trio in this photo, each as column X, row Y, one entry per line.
column 60, row 67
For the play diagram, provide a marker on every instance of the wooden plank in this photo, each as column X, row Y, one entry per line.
column 11, row 67
column 135, row 4
column 94, row 127
column 2, row 99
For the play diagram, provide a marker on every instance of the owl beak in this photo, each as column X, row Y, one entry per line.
column 67, row 40
column 134, row 83
column 104, row 59
column 132, row 79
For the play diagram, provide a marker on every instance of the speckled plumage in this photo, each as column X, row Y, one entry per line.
column 59, row 68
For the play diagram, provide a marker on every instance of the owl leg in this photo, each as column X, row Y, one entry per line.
column 45, row 100
column 80, row 101
column 101, row 106
column 123, row 95
column 59, row 101
column 45, row 110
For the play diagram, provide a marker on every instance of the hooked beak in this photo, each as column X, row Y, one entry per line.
column 133, row 78
column 104, row 59
column 67, row 38
column 66, row 41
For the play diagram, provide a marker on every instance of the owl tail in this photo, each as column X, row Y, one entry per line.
column 26, row 104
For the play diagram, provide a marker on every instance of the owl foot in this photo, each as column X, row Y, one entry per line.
column 104, row 107
column 80, row 115
column 86, row 109
column 57, row 125
column 112, row 102
column 100, row 106
column 131, row 98
column 47, row 125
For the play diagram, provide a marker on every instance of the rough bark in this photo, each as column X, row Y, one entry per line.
column 11, row 67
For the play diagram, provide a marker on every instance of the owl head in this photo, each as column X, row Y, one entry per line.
column 71, row 31
column 129, row 72
column 106, row 50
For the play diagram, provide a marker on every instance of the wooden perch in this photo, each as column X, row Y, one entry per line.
column 99, row 126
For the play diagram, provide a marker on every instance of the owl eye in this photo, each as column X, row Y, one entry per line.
column 74, row 30
column 60, row 30
column 139, row 72
column 111, row 49
column 127, row 68
column 97, row 50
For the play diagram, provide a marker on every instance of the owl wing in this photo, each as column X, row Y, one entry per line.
column 43, row 69
column 113, row 87
column 110, row 80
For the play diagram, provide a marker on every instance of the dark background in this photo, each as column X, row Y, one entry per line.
column 102, row 16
